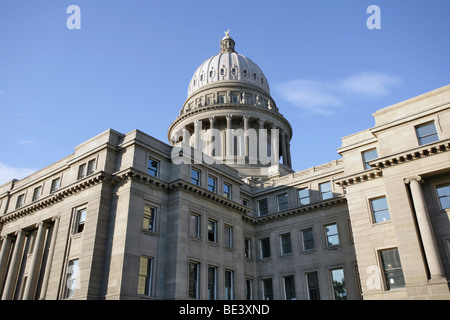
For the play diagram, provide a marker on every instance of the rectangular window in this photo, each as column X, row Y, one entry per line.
column 286, row 247
column 194, row 279
column 331, row 232
column 20, row 201
column 145, row 276
column 426, row 133
column 443, row 192
column 325, row 190
column 212, row 231
column 289, row 288
column 82, row 171
column 248, row 248
column 303, row 196
column 229, row 285
column 265, row 248
column 246, row 203
column 195, row 226
column 149, row 218
column 221, row 98
column 81, row 218
column 56, row 183
column 392, row 268
column 267, row 289
column 282, row 200
column 227, row 190
column 308, row 239
column 212, row 184
column 337, row 277
column 153, row 167
column 228, row 236
column 91, row 167
column 195, row 177
column 380, row 211
column 263, row 207
column 312, row 281
column 212, row 283
column 37, row 193
column 71, row 279
column 249, row 289
column 368, row 156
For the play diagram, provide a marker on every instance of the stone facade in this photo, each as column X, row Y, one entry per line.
column 120, row 219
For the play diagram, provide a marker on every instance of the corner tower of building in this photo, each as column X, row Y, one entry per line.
column 230, row 116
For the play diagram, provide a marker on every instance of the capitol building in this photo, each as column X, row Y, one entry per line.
column 217, row 212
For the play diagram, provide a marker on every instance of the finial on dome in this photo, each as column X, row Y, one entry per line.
column 227, row 43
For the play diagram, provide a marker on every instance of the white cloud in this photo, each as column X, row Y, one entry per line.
column 22, row 141
column 326, row 97
column 8, row 173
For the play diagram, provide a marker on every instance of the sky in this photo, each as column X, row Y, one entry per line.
column 129, row 64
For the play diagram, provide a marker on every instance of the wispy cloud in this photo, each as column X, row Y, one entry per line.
column 326, row 97
column 22, row 141
column 8, row 173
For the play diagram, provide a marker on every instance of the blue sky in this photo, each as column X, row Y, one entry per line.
column 130, row 64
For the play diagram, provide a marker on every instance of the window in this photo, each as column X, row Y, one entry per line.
column 153, row 167
column 325, row 190
column 267, row 289
column 286, row 247
column 246, row 203
column 289, row 288
column 149, row 218
column 228, row 236
column 303, row 196
column 392, row 267
column 145, row 276
column 229, row 285
column 331, row 232
column 82, row 171
column 312, row 281
column 249, row 289
column 282, row 201
column 227, row 190
column 91, row 167
column 443, row 192
column 367, row 156
column 212, row 283
column 337, row 277
column 20, row 201
column 71, row 279
column 37, row 193
column 212, row 230
column 221, row 98
column 195, row 177
column 81, row 218
column 380, row 211
column 195, row 225
column 262, row 207
column 194, row 279
column 308, row 239
column 265, row 248
column 426, row 133
column 235, row 98
column 212, row 184
column 56, row 183
column 247, row 248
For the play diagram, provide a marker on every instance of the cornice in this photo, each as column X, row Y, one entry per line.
column 359, row 177
column 295, row 211
column 55, row 197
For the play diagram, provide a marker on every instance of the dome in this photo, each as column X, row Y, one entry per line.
column 228, row 65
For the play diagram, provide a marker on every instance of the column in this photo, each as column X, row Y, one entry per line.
column 229, row 136
column 49, row 258
column 211, row 135
column 426, row 231
column 186, row 136
column 275, row 152
column 283, row 148
column 4, row 255
column 246, row 149
column 197, row 135
column 13, row 271
column 35, row 265
column 288, row 146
